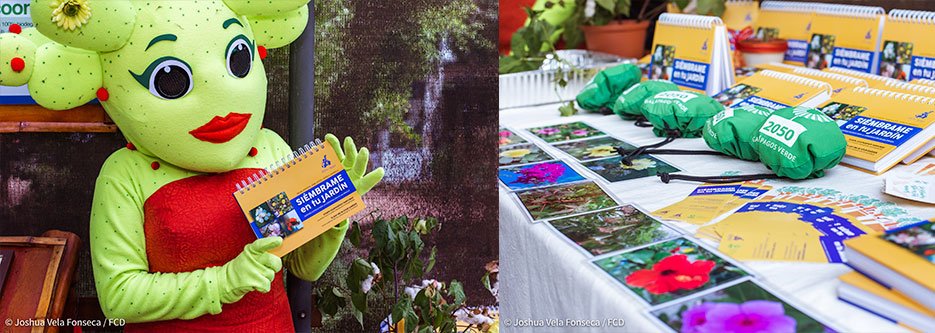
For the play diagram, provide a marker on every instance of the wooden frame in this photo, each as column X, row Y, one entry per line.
column 55, row 247
column 35, row 118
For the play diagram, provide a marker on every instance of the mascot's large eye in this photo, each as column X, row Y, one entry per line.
column 239, row 57
column 167, row 78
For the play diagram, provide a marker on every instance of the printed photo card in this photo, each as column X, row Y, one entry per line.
column 668, row 270
column 538, row 175
column 565, row 132
column 612, row 230
column 564, row 200
column 742, row 307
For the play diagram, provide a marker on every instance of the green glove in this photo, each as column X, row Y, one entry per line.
column 799, row 143
column 253, row 269
column 604, row 88
column 355, row 162
column 732, row 130
column 684, row 111
column 629, row 105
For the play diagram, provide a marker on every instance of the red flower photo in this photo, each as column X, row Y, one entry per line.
column 672, row 273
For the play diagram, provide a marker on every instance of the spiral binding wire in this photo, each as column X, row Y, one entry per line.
column 924, row 82
column 866, row 76
column 691, row 21
column 849, row 10
column 895, row 95
column 798, row 79
column 833, row 76
column 279, row 166
column 911, row 86
column 789, row 6
column 912, row 16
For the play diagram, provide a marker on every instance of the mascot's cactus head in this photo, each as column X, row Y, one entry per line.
column 183, row 80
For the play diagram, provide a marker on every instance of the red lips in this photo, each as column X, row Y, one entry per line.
column 221, row 130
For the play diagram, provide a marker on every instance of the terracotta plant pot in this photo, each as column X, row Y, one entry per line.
column 624, row 38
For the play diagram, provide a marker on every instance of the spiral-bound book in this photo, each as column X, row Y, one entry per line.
column 774, row 90
column 300, row 197
column 882, row 127
column 692, row 51
column 846, row 36
column 908, row 51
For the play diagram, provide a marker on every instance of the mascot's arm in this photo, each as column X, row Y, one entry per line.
column 125, row 286
column 309, row 261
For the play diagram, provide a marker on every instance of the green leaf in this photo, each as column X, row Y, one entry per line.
column 623, row 8
column 710, row 7
column 414, row 269
column 609, row 5
column 485, row 280
column 359, row 300
column 402, row 306
column 457, row 291
column 567, row 110
column 360, row 317
column 681, row 3
column 358, row 271
column 431, row 262
column 354, row 234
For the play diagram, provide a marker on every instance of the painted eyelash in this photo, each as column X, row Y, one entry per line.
column 143, row 78
column 250, row 43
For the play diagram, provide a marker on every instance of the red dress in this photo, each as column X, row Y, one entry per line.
column 194, row 223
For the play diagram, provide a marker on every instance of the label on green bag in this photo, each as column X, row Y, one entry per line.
column 782, row 129
column 727, row 113
column 682, row 96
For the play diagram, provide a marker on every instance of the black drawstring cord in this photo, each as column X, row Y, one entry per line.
column 629, row 154
column 681, row 152
column 666, row 177
column 641, row 121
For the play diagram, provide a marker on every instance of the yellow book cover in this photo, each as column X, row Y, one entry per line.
column 687, row 51
column 739, row 14
column 788, row 20
column 881, row 127
column 908, row 251
column 860, row 281
column 774, row 90
column 847, row 37
column 908, row 51
column 299, row 199
column 838, row 82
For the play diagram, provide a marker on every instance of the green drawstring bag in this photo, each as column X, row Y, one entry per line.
column 599, row 94
column 679, row 113
column 731, row 131
column 673, row 114
column 629, row 105
column 799, row 143
column 796, row 143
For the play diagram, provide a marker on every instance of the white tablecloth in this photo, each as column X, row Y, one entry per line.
column 543, row 276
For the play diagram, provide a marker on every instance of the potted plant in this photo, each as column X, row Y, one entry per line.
column 605, row 25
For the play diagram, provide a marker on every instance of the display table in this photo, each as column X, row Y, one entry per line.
column 543, row 276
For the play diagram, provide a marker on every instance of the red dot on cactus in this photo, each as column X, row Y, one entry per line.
column 16, row 28
column 17, row 64
column 130, row 146
column 262, row 50
column 102, row 94
column 155, row 165
column 252, row 152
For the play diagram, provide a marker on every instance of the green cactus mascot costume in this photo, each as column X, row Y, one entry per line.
column 184, row 82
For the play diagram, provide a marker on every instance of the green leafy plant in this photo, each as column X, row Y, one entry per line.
column 603, row 12
column 397, row 258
